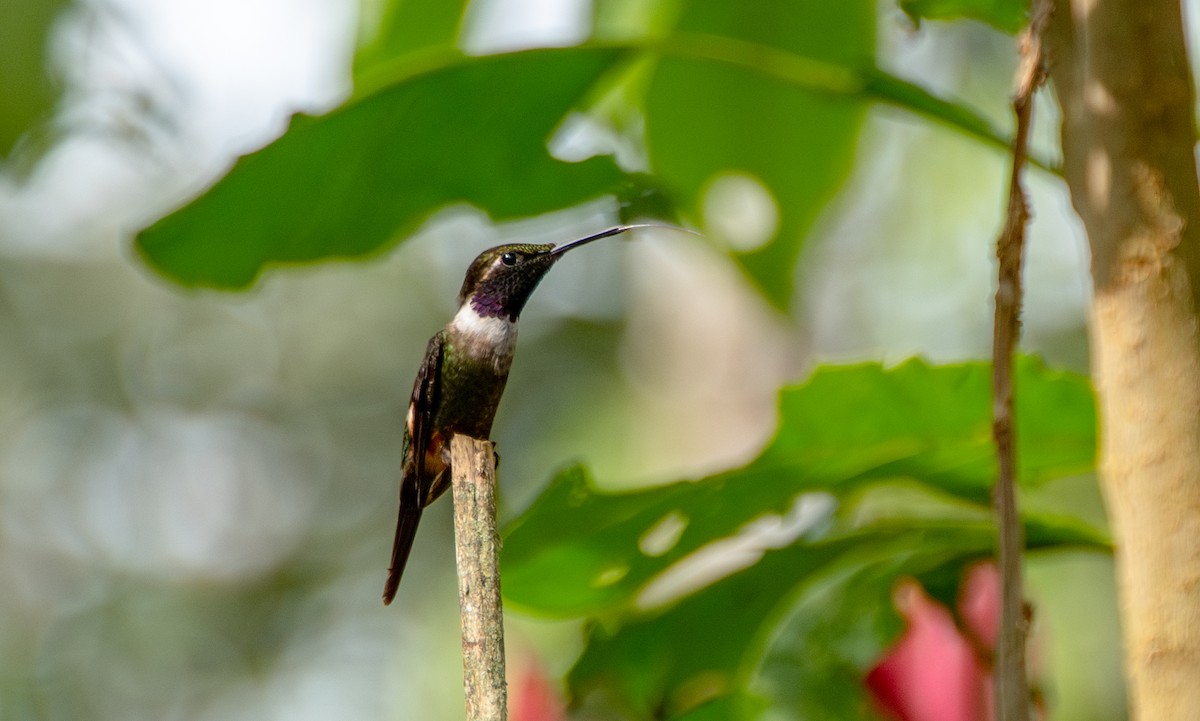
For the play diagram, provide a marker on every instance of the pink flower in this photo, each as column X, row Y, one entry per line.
column 535, row 697
column 938, row 671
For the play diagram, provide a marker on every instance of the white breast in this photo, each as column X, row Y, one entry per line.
column 484, row 336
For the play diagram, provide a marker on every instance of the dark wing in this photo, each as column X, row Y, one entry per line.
column 414, row 485
column 423, row 406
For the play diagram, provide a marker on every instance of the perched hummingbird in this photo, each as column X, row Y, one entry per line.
column 459, row 384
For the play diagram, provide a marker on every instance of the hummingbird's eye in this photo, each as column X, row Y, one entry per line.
column 509, row 259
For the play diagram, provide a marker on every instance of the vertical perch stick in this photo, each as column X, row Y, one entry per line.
column 477, row 555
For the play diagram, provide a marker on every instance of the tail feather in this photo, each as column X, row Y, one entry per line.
column 406, row 530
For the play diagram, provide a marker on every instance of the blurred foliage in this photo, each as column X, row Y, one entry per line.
column 848, row 432
column 465, row 131
column 429, row 127
column 844, row 429
column 1007, row 15
column 27, row 91
column 798, row 143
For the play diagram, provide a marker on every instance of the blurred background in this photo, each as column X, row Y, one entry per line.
column 197, row 488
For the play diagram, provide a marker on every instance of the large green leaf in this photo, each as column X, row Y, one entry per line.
column 346, row 184
column 932, row 423
column 1007, row 15
column 704, row 119
column 647, row 657
column 577, row 551
column 664, row 663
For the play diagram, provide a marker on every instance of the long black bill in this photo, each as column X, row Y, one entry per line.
column 559, row 250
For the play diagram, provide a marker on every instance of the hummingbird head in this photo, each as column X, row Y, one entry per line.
column 500, row 281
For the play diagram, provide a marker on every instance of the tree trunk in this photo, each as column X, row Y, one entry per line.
column 1121, row 72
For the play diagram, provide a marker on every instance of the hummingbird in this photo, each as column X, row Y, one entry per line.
column 462, row 377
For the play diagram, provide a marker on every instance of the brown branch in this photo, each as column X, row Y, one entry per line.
column 477, row 554
column 1012, row 686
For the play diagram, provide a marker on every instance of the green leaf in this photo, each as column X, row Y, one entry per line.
column 349, row 183
column 839, row 80
column 730, row 706
column 934, row 424
column 27, row 93
column 681, row 657
column 831, row 636
column 1006, row 15
column 667, row 663
column 409, row 26
column 845, row 429
column 797, row 143
column 615, row 19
